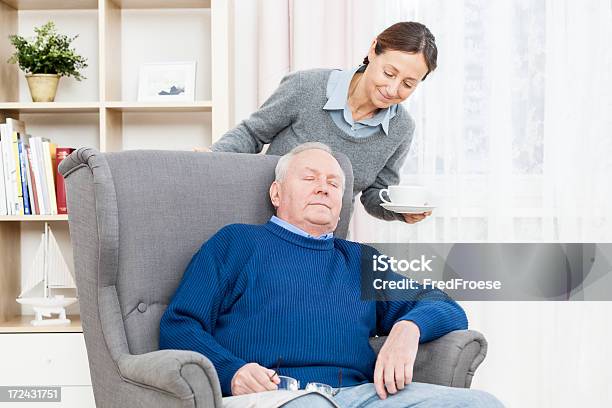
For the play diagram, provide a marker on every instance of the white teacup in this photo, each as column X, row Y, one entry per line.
column 416, row 196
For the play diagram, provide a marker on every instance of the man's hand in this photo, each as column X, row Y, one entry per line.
column 395, row 361
column 413, row 218
column 252, row 377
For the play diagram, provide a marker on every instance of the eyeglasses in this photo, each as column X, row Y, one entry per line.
column 291, row 384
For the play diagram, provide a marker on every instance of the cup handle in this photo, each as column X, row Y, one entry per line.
column 380, row 194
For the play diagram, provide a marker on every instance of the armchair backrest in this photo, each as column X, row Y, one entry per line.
column 137, row 217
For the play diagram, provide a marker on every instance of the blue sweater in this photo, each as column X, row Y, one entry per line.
column 254, row 293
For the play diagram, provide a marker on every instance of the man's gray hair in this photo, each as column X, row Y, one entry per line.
column 283, row 163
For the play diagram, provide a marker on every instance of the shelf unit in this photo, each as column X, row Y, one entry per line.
column 102, row 111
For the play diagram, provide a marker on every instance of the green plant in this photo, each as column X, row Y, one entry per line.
column 48, row 53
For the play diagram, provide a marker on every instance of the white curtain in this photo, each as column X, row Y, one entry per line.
column 514, row 135
column 275, row 37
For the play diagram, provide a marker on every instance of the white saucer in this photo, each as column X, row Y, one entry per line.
column 407, row 209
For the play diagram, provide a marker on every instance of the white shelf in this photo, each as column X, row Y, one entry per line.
column 50, row 107
column 52, row 4
column 38, row 218
column 21, row 324
column 198, row 106
column 94, row 107
column 161, row 4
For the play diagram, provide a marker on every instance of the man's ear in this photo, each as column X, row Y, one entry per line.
column 275, row 193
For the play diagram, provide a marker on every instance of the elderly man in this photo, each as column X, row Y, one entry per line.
column 288, row 292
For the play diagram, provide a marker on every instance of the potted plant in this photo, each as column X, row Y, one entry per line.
column 45, row 59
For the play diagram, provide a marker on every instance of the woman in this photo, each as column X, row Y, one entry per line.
column 356, row 112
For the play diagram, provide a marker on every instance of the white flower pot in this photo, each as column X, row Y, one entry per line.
column 42, row 86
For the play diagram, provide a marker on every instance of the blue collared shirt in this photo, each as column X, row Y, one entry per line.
column 337, row 105
column 296, row 230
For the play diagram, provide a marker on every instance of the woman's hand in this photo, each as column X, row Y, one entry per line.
column 202, row 149
column 395, row 362
column 413, row 218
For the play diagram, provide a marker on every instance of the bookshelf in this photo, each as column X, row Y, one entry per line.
column 102, row 111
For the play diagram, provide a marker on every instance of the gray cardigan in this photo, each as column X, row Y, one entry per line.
column 294, row 115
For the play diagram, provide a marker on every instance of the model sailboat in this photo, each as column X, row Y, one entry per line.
column 50, row 269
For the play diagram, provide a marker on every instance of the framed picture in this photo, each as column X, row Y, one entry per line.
column 167, row 81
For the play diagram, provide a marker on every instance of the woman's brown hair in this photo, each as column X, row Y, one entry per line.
column 408, row 37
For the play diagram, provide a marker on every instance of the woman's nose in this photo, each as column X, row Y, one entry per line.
column 392, row 89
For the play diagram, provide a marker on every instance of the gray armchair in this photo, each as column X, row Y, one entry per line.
column 136, row 218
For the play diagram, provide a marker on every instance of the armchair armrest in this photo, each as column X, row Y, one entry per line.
column 180, row 373
column 450, row 360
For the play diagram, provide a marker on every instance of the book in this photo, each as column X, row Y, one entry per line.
column 25, row 141
column 17, row 179
column 60, row 186
column 9, row 168
column 3, row 199
column 15, row 127
column 38, row 168
column 33, row 183
column 49, row 177
column 53, row 151
column 23, row 175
